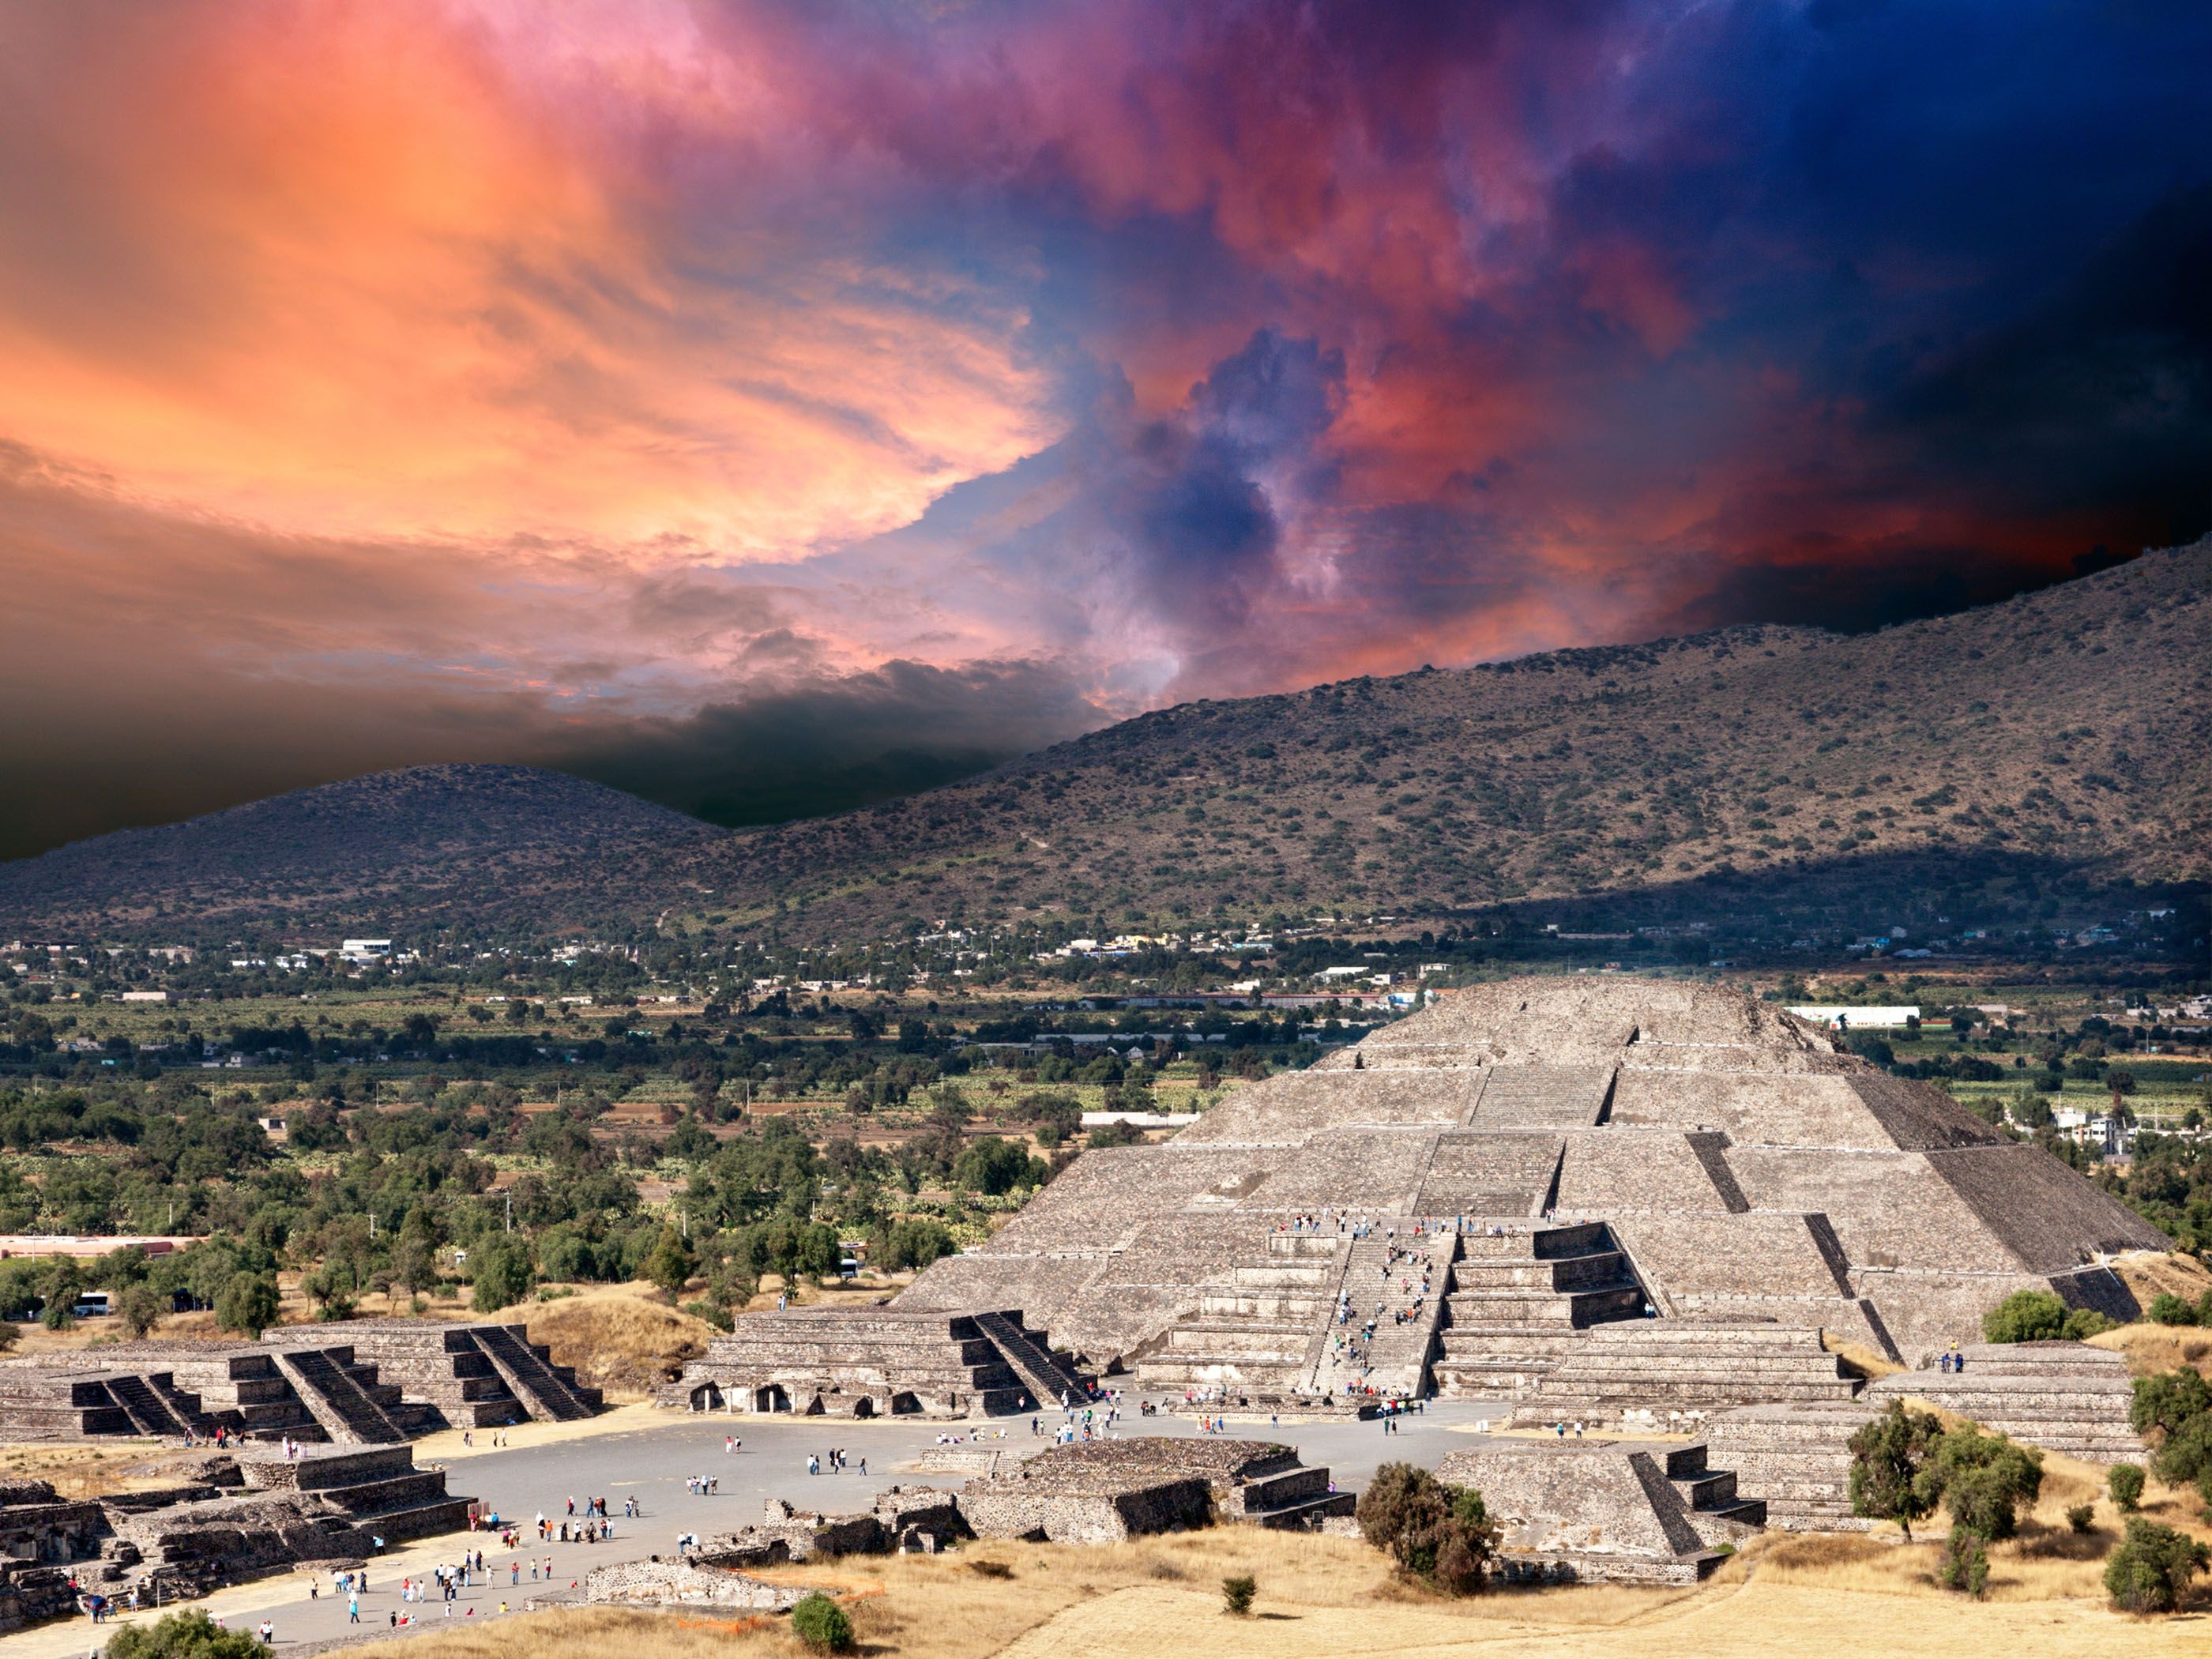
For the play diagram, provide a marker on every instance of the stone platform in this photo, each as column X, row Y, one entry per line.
column 238, row 1517
column 1104, row 1490
column 355, row 1382
column 1617, row 1511
column 2065, row 1397
column 879, row 1362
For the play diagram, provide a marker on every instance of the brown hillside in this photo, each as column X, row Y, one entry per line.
column 2067, row 729
column 2065, row 734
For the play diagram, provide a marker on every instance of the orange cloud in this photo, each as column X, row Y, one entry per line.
column 331, row 271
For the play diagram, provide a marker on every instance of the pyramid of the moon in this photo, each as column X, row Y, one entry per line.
column 1551, row 1159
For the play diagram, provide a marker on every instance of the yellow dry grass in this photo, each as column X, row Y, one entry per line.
column 76, row 1470
column 622, row 1337
column 1160, row 1598
column 1860, row 1359
column 2152, row 1348
column 2147, row 1273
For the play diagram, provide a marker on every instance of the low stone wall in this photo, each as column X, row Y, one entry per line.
column 686, row 1584
column 1006, row 1508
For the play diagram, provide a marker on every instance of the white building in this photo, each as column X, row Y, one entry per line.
column 365, row 949
column 1858, row 1019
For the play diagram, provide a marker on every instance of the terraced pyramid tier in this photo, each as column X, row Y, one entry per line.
column 1796, row 1458
column 1744, row 1166
column 1666, row 1366
column 2064, row 1396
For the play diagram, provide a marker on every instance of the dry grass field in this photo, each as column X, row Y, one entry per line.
column 1160, row 1599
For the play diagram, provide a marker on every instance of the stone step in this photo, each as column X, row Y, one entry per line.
column 1578, row 1310
column 1274, row 1308
column 1281, row 1344
column 1600, row 1270
column 1305, row 1514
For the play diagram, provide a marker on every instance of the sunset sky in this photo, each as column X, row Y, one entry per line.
column 835, row 396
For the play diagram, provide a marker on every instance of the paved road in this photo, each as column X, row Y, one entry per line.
column 651, row 1465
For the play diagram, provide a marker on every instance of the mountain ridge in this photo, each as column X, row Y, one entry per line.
column 2067, row 729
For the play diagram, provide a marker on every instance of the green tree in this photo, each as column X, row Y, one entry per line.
column 330, row 1288
column 993, row 1166
column 1965, row 1563
column 915, row 1244
column 247, row 1303
column 499, row 1266
column 822, row 1625
column 2025, row 1316
column 1439, row 1535
column 2173, row 1410
column 61, row 1280
column 191, row 1635
column 1236, row 1594
column 414, row 1259
column 2125, row 1483
column 1891, row 1479
column 141, row 1308
column 1985, row 1479
column 2151, row 1569
column 671, row 1264
column 2168, row 1309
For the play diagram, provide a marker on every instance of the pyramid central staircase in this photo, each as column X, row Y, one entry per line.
column 1522, row 1295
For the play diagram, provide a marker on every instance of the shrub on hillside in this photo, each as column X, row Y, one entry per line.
column 2173, row 1410
column 822, row 1625
column 1236, row 1594
column 2125, row 1483
column 2151, row 1569
column 2168, row 1309
column 1437, row 1533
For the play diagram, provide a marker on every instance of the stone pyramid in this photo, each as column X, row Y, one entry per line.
column 1595, row 1151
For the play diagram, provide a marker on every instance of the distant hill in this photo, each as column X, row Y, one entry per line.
column 2066, row 732
column 2064, row 735
column 372, row 855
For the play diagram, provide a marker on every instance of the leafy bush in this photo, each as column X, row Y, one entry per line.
column 2083, row 1517
column 822, row 1625
column 2165, row 1402
column 2151, row 1567
column 1236, row 1594
column 2025, row 1316
column 2125, row 1483
column 500, row 1264
column 1890, row 1477
column 2168, row 1309
column 2174, row 1411
column 1965, row 1563
column 2040, row 1316
column 917, row 1243
column 141, row 1309
column 247, row 1303
column 1439, row 1535
column 191, row 1635
column 713, row 1312
column 1984, row 1479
